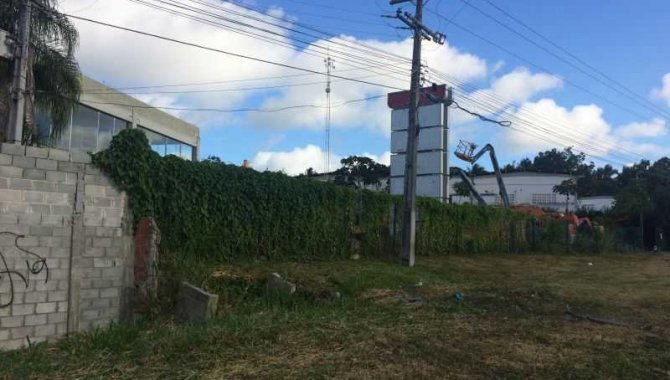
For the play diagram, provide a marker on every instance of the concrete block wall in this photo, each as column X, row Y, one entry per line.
column 73, row 220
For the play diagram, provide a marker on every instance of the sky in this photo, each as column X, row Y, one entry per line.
column 570, row 73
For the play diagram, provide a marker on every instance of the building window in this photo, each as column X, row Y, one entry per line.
column 89, row 130
column 544, row 199
column 84, row 135
column 164, row 145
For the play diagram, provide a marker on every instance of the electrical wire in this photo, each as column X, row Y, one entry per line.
column 503, row 123
column 564, row 50
column 544, row 69
column 238, row 110
column 238, row 89
column 225, row 52
column 229, row 53
column 344, row 59
column 207, row 83
column 627, row 93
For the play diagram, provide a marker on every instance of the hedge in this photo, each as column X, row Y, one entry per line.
column 225, row 212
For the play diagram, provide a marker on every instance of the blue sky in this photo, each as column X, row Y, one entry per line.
column 624, row 39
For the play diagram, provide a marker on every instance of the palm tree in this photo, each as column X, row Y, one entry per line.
column 53, row 80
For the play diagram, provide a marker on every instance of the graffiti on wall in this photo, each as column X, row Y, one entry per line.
column 35, row 265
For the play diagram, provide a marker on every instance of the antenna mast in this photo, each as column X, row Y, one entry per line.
column 330, row 65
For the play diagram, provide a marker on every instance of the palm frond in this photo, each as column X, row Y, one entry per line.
column 54, row 40
column 57, row 86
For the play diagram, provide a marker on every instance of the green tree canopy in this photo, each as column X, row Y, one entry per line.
column 632, row 200
column 360, row 172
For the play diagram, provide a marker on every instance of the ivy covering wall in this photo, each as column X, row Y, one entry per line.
column 225, row 212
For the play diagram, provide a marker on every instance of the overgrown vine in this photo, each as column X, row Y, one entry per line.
column 225, row 212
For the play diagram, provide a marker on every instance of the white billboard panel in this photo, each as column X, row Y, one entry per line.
column 427, row 163
column 429, row 139
column 426, row 185
column 429, row 116
column 429, row 186
column 397, row 185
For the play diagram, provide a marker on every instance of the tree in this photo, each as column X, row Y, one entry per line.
column 601, row 181
column 565, row 161
column 360, row 172
column 525, row 165
column 52, row 84
column 567, row 188
column 213, row 160
column 462, row 189
column 632, row 200
column 476, row 170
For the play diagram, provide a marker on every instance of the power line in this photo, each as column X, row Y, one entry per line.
column 503, row 123
column 334, row 8
column 264, row 20
column 626, row 93
column 564, row 50
column 224, row 81
column 256, row 35
column 238, row 89
column 542, row 68
column 545, row 135
column 238, row 110
column 495, row 105
column 232, row 54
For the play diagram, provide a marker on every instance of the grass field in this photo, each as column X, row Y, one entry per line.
column 395, row 322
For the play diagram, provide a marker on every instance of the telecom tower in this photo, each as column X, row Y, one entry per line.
column 330, row 65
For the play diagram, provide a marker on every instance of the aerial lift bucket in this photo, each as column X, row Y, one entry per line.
column 465, row 151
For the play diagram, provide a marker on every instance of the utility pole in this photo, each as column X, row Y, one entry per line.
column 18, row 94
column 409, row 212
column 330, row 65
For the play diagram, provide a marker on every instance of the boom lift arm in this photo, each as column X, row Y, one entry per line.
column 465, row 153
column 471, row 187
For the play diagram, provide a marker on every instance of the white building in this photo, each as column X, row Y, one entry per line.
column 596, row 203
column 522, row 188
column 103, row 112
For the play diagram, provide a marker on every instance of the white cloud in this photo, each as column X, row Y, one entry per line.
column 584, row 123
column 513, row 88
column 373, row 114
column 299, row 159
column 123, row 59
column 664, row 91
column 520, row 85
column 583, row 126
column 291, row 162
column 384, row 158
column 653, row 128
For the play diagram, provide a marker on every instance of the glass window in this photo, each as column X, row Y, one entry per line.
column 172, row 147
column 63, row 140
column 186, row 152
column 43, row 123
column 105, row 131
column 544, row 199
column 84, row 129
column 119, row 125
column 164, row 145
column 156, row 141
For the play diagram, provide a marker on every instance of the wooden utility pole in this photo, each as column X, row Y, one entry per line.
column 409, row 211
column 20, row 71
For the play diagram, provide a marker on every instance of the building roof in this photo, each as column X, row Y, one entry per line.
column 526, row 174
column 597, row 197
column 97, row 95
